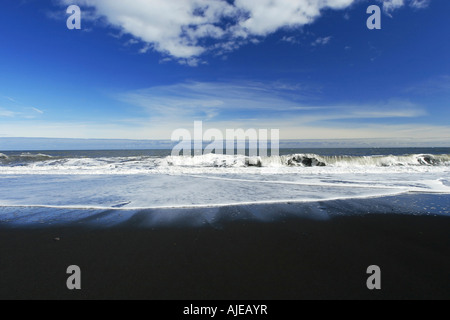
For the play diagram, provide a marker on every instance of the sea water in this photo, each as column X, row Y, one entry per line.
column 47, row 187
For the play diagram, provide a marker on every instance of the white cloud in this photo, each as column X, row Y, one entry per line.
column 4, row 113
column 182, row 28
column 391, row 5
column 321, row 41
column 169, row 26
column 267, row 16
column 290, row 39
column 186, row 29
column 419, row 4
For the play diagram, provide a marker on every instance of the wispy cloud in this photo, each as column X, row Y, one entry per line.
column 439, row 84
column 419, row 4
column 10, row 99
column 37, row 110
column 391, row 5
column 295, row 108
column 17, row 109
column 220, row 99
column 290, row 39
column 260, row 105
column 321, row 41
column 4, row 113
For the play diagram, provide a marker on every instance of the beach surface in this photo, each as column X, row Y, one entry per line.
column 292, row 256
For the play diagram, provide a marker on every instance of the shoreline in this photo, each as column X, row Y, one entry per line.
column 409, row 203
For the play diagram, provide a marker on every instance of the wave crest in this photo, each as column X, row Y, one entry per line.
column 307, row 160
column 45, row 164
column 23, row 158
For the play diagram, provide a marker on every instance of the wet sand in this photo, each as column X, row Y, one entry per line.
column 296, row 258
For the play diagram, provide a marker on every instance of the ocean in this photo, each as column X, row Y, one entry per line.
column 56, row 187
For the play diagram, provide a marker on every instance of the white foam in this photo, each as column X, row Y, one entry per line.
column 224, row 164
column 126, row 183
column 197, row 206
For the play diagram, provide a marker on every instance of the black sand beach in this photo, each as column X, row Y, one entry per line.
column 296, row 258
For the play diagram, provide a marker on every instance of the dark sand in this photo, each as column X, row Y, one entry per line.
column 291, row 259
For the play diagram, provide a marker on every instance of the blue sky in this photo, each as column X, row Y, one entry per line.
column 140, row 70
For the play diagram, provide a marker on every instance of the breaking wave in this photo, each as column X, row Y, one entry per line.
column 26, row 163
column 23, row 158
column 307, row 160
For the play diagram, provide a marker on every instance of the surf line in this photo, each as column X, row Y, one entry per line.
column 325, row 184
column 206, row 205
